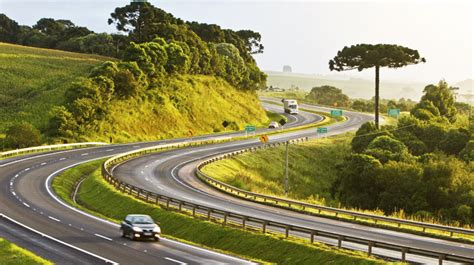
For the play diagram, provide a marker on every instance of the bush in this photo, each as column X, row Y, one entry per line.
column 22, row 135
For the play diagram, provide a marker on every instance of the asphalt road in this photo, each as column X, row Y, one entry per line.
column 34, row 218
column 172, row 173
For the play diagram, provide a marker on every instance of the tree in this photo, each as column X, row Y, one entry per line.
column 9, row 29
column 328, row 95
column 454, row 141
column 22, row 135
column 438, row 100
column 364, row 56
column 385, row 148
column 364, row 135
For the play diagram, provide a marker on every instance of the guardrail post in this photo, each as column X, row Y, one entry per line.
column 194, row 211
column 168, row 203
column 244, row 220
column 287, row 231
column 264, row 227
column 404, row 251
column 138, row 194
column 451, row 234
column 180, row 206
column 369, row 251
column 441, row 258
column 209, row 214
column 225, row 218
column 339, row 241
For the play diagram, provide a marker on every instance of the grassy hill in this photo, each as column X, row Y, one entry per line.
column 354, row 88
column 33, row 80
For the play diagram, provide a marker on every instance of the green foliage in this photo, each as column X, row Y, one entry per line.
column 363, row 56
column 454, row 141
column 386, row 148
column 328, row 95
column 437, row 101
column 22, row 135
column 364, row 135
column 467, row 154
column 357, row 181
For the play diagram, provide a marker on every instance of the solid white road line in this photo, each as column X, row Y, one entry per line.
column 84, row 154
column 104, row 237
column 26, row 204
column 177, row 261
column 57, row 240
column 54, row 219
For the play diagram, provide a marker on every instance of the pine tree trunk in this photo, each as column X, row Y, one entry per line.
column 377, row 81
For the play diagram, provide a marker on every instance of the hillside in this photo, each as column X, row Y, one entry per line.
column 34, row 80
column 197, row 102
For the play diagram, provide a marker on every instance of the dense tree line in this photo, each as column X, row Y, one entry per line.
column 210, row 49
column 423, row 165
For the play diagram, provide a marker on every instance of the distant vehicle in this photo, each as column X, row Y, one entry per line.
column 273, row 125
column 139, row 226
column 290, row 106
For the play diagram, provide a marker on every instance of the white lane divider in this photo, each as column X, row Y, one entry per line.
column 84, row 154
column 42, row 164
column 104, row 237
column 54, row 219
column 26, row 204
column 62, row 158
column 57, row 240
column 109, row 150
column 176, row 261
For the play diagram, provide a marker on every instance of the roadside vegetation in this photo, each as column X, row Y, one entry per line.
column 168, row 78
column 420, row 168
column 97, row 196
column 11, row 254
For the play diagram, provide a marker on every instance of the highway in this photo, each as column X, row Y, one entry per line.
column 26, row 197
column 34, row 218
column 172, row 174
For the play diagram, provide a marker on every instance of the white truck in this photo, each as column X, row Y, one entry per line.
column 290, row 106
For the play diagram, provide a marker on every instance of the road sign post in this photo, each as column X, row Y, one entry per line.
column 287, row 184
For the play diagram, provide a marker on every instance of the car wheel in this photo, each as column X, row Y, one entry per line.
column 124, row 234
column 132, row 236
column 157, row 239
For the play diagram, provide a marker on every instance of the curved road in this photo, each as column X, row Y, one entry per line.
column 31, row 216
column 172, row 174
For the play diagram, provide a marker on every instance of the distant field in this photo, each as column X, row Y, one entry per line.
column 34, row 80
column 354, row 88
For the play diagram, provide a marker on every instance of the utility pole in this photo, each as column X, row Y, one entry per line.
column 286, row 171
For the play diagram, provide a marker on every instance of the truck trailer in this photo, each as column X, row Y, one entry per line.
column 290, row 106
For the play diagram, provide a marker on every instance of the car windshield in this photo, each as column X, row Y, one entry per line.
column 293, row 106
column 142, row 220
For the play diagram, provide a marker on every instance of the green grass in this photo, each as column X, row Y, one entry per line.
column 11, row 254
column 34, row 80
column 311, row 171
column 100, row 198
column 273, row 116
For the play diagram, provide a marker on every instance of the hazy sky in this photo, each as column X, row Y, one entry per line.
column 306, row 34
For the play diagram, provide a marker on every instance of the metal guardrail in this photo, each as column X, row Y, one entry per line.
column 247, row 222
column 291, row 204
column 46, row 148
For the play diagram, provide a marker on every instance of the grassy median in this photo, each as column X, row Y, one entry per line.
column 11, row 254
column 99, row 197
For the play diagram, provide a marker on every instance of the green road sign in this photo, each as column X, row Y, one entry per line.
column 322, row 130
column 336, row 112
column 250, row 128
column 393, row 112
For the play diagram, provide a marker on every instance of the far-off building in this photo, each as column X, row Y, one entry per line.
column 286, row 69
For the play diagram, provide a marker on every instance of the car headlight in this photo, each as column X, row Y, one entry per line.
column 157, row 230
column 137, row 229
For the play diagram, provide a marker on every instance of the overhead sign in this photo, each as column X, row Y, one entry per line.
column 263, row 138
column 250, row 128
column 336, row 112
column 322, row 130
column 393, row 112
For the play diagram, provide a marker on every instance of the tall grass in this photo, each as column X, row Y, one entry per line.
column 34, row 80
column 11, row 254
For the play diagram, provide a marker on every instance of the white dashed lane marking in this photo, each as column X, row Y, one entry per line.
column 54, row 219
column 104, row 237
